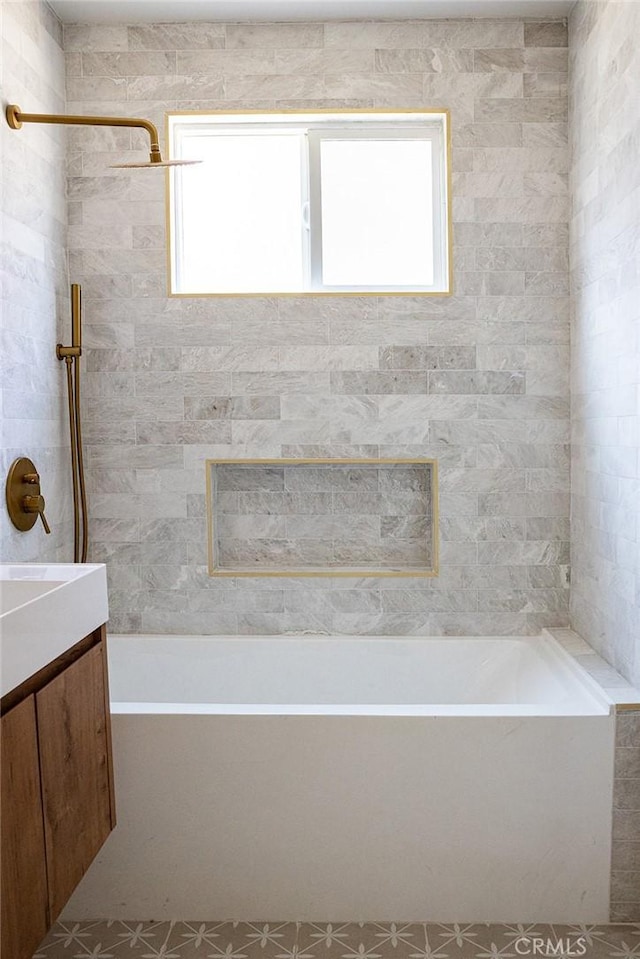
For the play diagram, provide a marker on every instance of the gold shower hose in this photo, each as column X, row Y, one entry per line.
column 71, row 356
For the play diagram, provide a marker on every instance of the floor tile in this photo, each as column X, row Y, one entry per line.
column 201, row 939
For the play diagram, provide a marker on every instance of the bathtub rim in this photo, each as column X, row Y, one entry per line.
column 596, row 701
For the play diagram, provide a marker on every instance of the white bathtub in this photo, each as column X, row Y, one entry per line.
column 342, row 778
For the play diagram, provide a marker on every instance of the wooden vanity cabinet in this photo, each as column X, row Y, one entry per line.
column 25, row 911
column 57, row 790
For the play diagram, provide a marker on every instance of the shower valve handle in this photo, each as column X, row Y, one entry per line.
column 36, row 504
column 22, row 492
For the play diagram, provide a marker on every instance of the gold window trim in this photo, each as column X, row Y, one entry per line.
column 442, row 111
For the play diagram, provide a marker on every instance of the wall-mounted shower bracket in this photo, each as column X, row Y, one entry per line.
column 62, row 352
column 24, row 500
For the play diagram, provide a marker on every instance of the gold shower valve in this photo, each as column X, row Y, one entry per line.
column 24, row 500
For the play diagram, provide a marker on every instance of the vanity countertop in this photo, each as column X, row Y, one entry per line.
column 45, row 609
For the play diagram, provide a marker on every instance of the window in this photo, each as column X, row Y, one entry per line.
column 310, row 203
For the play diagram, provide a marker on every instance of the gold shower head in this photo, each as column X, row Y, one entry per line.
column 144, row 164
column 15, row 119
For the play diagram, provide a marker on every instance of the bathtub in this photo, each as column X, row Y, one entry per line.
column 355, row 778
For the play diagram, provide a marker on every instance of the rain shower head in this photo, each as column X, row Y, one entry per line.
column 15, row 119
column 143, row 164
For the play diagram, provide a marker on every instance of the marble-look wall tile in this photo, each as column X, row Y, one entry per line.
column 477, row 380
column 35, row 301
column 546, row 34
column 173, row 36
column 625, row 856
column 605, row 129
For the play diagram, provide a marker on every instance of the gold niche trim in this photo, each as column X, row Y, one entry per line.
column 337, row 572
column 305, row 294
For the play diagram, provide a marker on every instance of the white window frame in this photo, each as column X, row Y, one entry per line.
column 433, row 125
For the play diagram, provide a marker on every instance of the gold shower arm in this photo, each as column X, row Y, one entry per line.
column 15, row 119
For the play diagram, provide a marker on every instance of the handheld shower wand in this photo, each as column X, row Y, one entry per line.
column 76, row 316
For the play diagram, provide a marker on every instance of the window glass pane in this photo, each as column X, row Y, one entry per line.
column 241, row 214
column 376, row 207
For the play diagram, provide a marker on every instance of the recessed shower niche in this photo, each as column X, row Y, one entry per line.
column 322, row 517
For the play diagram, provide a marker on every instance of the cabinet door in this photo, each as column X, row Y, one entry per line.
column 73, row 725
column 24, row 876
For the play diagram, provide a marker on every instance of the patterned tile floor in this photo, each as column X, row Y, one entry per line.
column 290, row 940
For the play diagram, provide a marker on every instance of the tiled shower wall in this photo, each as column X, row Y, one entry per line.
column 478, row 380
column 34, row 304
column 605, row 246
